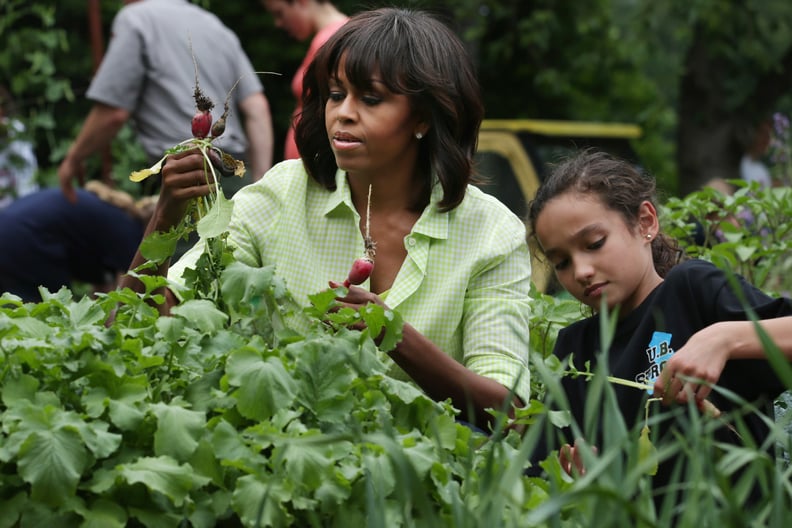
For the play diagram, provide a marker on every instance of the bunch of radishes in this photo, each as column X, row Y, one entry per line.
column 202, row 127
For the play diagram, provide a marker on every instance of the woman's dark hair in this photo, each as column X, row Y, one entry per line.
column 621, row 187
column 414, row 54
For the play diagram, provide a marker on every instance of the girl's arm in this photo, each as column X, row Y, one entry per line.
column 699, row 363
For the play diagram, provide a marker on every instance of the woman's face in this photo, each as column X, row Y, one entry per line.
column 371, row 130
column 291, row 17
column 594, row 252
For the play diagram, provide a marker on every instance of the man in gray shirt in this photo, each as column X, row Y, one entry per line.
column 148, row 76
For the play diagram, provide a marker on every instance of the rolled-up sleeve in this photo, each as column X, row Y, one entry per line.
column 497, row 310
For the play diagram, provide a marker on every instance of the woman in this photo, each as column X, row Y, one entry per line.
column 391, row 111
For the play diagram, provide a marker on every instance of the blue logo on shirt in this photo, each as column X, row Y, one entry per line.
column 658, row 353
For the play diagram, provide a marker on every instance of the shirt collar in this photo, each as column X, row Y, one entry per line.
column 432, row 223
column 339, row 199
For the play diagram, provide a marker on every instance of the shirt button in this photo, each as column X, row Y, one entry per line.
column 410, row 241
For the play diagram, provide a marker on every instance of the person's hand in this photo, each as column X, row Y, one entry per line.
column 68, row 171
column 183, row 178
column 356, row 298
column 571, row 459
column 695, row 367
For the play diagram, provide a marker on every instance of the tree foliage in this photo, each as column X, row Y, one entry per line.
column 737, row 67
column 696, row 75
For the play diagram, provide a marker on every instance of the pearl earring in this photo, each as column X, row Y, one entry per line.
column 418, row 135
column 648, row 236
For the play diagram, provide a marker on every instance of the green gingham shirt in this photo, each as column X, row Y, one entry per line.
column 464, row 284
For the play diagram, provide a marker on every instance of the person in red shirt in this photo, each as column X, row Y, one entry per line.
column 301, row 19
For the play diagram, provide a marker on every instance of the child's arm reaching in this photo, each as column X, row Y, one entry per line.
column 695, row 367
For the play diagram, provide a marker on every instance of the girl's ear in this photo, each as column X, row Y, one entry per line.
column 648, row 222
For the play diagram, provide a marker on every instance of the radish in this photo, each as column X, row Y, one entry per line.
column 202, row 120
column 363, row 266
column 201, row 124
column 219, row 127
column 361, row 270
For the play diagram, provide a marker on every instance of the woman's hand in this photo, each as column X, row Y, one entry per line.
column 695, row 367
column 356, row 298
column 184, row 177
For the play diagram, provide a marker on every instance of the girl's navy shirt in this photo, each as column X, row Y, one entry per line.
column 694, row 295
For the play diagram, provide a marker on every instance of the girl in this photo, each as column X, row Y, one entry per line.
column 680, row 327
column 301, row 19
column 391, row 104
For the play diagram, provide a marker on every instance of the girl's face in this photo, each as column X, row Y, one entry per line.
column 291, row 17
column 371, row 130
column 595, row 254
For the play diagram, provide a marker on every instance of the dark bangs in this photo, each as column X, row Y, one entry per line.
column 367, row 51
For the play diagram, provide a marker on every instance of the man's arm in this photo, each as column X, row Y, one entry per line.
column 258, row 128
column 100, row 127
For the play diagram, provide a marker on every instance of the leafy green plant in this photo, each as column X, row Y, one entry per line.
column 244, row 409
column 712, row 482
column 749, row 232
column 238, row 417
column 549, row 314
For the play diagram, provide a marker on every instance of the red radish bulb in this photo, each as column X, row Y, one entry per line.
column 361, row 270
column 201, row 124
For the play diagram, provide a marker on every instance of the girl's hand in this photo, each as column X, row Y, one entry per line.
column 695, row 367
column 571, row 459
column 184, row 177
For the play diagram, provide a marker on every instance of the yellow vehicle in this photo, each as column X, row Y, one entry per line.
column 515, row 154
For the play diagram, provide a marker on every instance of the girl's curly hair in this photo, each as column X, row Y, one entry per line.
column 620, row 185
